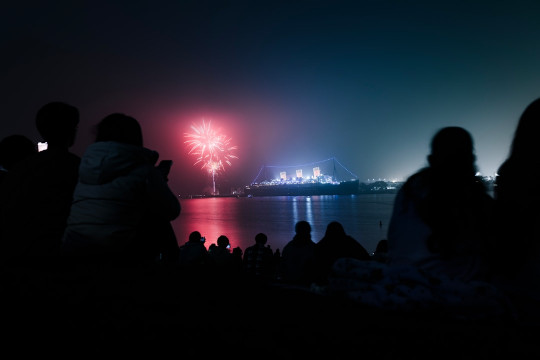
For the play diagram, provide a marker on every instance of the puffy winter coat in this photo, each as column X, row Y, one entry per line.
column 119, row 188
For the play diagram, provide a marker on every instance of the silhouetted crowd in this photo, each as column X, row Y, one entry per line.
column 450, row 245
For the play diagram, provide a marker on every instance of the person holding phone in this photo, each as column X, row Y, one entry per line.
column 122, row 205
column 224, row 265
column 193, row 256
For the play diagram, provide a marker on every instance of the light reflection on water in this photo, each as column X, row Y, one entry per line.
column 240, row 219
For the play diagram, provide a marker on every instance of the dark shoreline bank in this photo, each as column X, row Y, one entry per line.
column 159, row 310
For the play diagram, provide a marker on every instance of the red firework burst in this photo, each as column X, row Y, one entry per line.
column 212, row 149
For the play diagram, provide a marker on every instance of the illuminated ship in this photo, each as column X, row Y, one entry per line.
column 303, row 189
column 317, row 184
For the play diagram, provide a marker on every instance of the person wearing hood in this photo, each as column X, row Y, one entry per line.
column 122, row 205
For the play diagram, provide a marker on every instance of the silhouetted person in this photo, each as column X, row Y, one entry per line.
column 36, row 196
column 516, row 241
column 334, row 245
column 193, row 258
column 237, row 255
column 222, row 261
column 122, row 204
column 159, row 228
column 440, row 219
column 296, row 265
column 14, row 149
column 223, row 250
column 258, row 261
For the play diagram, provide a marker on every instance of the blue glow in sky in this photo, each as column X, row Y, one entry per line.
column 291, row 82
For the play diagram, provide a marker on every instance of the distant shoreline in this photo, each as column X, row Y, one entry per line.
column 206, row 196
column 377, row 187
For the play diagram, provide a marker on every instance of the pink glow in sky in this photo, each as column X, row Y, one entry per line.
column 366, row 82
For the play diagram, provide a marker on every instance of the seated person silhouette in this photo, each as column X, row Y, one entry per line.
column 334, row 245
column 221, row 256
column 258, row 262
column 441, row 216
column 296, row 264
column 193, row 258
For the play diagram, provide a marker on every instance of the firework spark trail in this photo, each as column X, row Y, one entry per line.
column 212, row 148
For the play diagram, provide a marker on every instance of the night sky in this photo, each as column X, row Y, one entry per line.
column 290, row 82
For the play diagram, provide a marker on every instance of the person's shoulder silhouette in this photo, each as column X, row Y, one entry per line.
column 381, row 251
column 524, row 156
column 13, row 150
column 335, row 244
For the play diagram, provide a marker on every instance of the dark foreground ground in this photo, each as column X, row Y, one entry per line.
column 164, row 313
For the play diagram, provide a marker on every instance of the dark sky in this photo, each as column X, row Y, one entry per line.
column 290, row 82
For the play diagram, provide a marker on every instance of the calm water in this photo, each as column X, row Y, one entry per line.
column 240, row 219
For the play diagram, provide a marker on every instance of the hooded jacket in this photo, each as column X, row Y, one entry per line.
column 118, row 188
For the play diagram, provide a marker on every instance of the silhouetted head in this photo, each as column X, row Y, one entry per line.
column 302, row 228
column 382, row 246
column 334, row 229
column 527, row 134
column 222, row 241
column 14, row 148
column 237, row 251
column 261, row 238
column 120, row 128
column 57, row 124
column 452, row 152
column 195, row 236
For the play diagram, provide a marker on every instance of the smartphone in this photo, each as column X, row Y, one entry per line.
column 165, row 166
column 42, row 146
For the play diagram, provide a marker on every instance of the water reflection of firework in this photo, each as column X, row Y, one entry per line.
column 212, row 149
